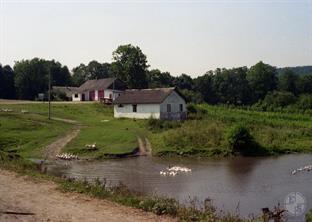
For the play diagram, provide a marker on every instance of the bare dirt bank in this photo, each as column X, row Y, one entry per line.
column 23, row 195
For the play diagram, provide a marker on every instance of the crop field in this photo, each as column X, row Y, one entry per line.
column 207, row 135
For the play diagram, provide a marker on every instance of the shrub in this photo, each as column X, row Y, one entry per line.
column 153, row 123
column 195, row 111
column 240, row 140
column 276, row 100
column 304, row 102
column 157, row 124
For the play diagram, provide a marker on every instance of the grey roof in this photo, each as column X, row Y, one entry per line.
column 142, row 96
column 65, row 89
column 96, row 84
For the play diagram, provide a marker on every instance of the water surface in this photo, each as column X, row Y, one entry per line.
column 243, row 184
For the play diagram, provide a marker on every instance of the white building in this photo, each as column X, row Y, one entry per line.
column 105, row 90
column 160, row 103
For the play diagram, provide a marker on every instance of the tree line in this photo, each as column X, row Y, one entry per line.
column 260, row 85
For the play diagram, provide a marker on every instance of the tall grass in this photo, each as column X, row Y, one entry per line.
column 206, row 134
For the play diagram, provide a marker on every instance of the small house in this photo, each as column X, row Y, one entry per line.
column 105, row 90
column 160, row 103
column 64, row 92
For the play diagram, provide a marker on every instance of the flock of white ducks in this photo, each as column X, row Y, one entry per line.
column 6, row 110
column 67, row 156
column 301, row 169
column 173, row 171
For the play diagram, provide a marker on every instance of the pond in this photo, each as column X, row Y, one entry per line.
column 238, row 184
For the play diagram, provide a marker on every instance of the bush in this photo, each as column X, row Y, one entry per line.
column 304, row 102
column 59, row 96
column 240, row 140
column 276, row 100
column 195, row 111
column 157, row 124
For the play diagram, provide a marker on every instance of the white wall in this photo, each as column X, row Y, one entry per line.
column 144, row 111
column 115, row 93
column 175, row 100
column 76, row 98
column 96, row 95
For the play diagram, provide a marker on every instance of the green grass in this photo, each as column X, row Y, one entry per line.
column 28, row 134
column 275, row 132
column 98, row 126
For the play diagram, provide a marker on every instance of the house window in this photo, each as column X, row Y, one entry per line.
column 76, row 95
column 120, row 105
column 181, row 107
column 134, row 108
column 168, row 108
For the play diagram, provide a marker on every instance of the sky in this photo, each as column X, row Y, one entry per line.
column 177, row 36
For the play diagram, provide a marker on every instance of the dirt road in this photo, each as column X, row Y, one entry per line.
column 55, row 148
column 23, row 195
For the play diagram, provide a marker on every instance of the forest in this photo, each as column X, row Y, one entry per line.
column 261, row 86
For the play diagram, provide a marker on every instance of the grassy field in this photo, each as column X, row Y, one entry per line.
column 204, row 136
column 275, row 132
column 28, row 134
column 97, row 126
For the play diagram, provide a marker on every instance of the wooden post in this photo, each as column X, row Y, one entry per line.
column 49, row 93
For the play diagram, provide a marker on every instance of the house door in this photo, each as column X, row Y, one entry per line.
column 83, row 97
column 101, row 94
column 91, row 95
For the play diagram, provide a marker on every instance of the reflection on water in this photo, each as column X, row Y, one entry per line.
column 247, row 183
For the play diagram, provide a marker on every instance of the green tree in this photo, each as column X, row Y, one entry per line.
column 79, row 75
column 231, row 86
column 157, row 79
column 304, row 84
column 184, row 82
column 60, row 74
column 278, row 99
column 262, row 79
column 7, row 88
column 130, row 65
column 192, row 96
column 31, row 77
column 287, row 81
column 96, row 70
column 204, row 85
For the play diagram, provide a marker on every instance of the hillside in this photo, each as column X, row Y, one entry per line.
column 299, row 70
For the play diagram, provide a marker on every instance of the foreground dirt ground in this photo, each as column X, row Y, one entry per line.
column 24, row 195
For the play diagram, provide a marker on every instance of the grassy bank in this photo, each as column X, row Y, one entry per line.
column 206, row 134
column 97, row 126
column 28, row 134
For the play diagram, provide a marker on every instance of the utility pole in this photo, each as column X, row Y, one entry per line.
column 49, row 93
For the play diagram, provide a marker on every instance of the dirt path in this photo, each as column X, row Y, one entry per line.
column 21, row 194
column 144, row 147
column 55, row 148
